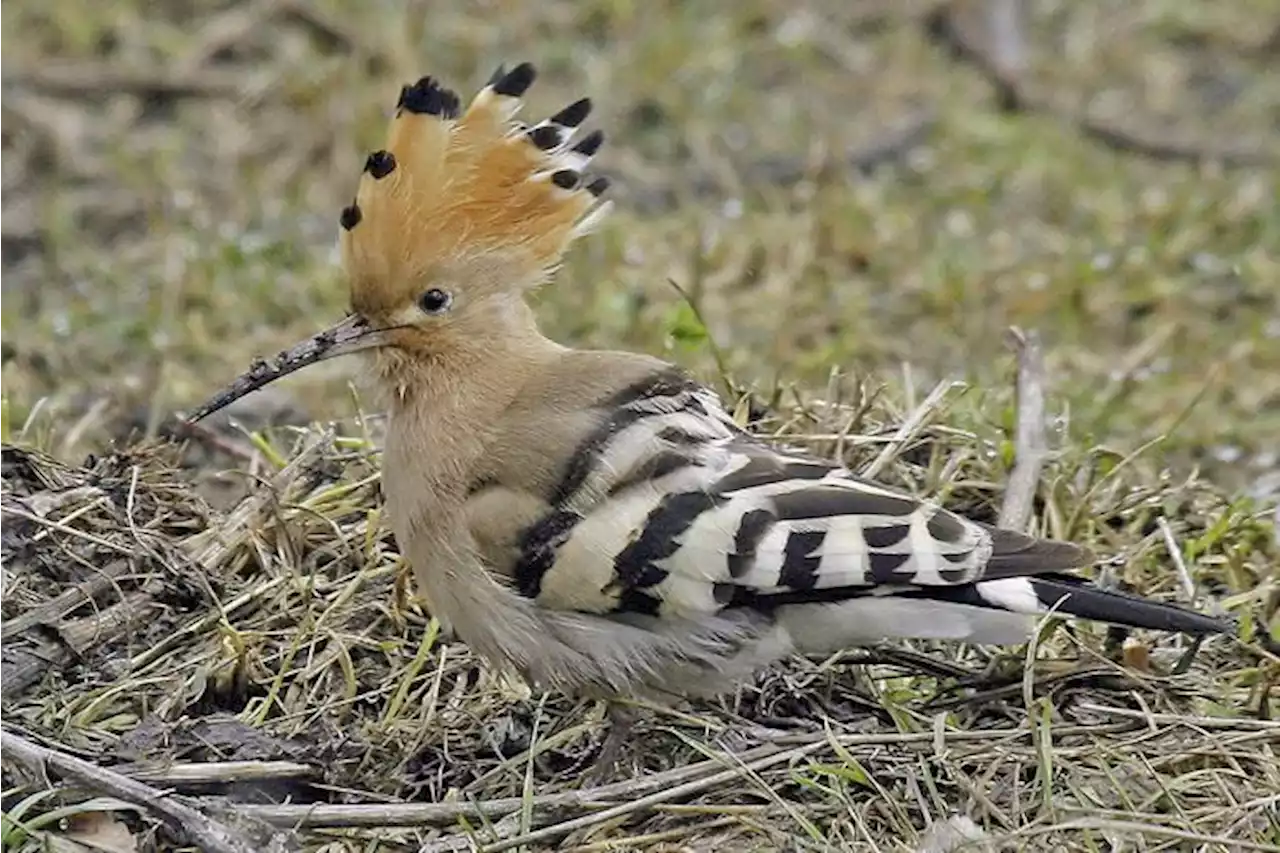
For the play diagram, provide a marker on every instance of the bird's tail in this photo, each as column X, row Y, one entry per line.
column 1079, row 598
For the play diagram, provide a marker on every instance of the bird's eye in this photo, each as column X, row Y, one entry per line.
column 435, row 301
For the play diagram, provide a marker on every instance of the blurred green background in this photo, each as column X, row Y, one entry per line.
column 173, row 173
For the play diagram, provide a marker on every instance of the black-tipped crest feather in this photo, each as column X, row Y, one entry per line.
column 565, row 179
column 574, row 114
column 380, row 164
column 590, row 144
column 350, row 217
column 545, row 137
column 517, row 81
column 428, row 97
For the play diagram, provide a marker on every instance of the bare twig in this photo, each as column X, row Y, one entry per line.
column 631, row 795
column 223, row 30
column 1030, row 447
column 220, row 772
column 185, row 821
column 1192, row 722
column 409, row 814
column 910, row 427
column 70, row 531
column 44, row 503
column 328, row 27
column 643, row 803
column 990, row 38
column 1133, row 827
column 1175, row 554
column 428, row 814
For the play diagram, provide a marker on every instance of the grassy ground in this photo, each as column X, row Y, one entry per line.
column 832, row 185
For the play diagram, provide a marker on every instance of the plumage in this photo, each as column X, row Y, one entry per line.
column 596, row 520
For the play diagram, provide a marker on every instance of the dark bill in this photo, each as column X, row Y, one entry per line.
column 351, row 335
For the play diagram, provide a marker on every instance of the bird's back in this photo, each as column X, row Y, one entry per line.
column 617, row 489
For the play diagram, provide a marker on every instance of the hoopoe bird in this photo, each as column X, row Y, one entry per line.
column 596, row 521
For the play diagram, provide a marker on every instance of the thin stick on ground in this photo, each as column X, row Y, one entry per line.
column 427, row 814
column 1030, row 448
column 624, row 798
column 185, row 821
column 1175, row 554
column 910, row 427
column 222, row 772
column 695, row 786
column 1152, row 718
column 1136, row 828
column 70, row 531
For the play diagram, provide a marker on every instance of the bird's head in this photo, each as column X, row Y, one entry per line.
column 454, row 221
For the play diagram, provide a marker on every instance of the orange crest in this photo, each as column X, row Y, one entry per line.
column 450, row 187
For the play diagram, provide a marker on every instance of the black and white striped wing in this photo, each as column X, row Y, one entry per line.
column 754, row 527
column 669, row 509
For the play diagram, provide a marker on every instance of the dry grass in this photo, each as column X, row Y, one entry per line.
column 227, row 617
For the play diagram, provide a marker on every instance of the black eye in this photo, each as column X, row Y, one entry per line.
column 434, row 301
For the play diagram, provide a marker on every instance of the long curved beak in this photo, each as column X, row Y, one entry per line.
column 350, row 335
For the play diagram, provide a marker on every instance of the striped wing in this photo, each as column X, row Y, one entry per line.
column 747, row 526
column 667, row 509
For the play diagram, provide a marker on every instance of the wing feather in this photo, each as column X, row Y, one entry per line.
column 679, row 513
